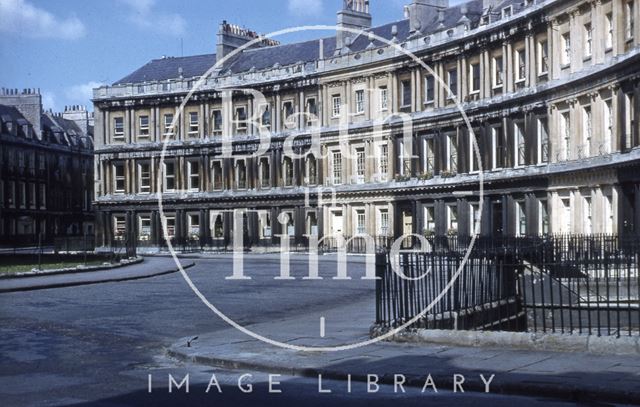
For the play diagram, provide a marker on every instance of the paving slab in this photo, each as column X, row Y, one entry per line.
column 573, row 376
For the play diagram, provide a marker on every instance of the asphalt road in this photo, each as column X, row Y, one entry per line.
column 97, row 344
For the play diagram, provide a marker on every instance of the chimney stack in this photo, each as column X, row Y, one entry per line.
column 354, row 16
column 232, row 37
column 29, row 104
column 79, row 115
column 424, row 12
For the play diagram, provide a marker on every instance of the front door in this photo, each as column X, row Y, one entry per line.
column 407, row 227
column 336, row 223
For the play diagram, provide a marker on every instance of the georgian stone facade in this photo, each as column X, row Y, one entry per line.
column 550, row 89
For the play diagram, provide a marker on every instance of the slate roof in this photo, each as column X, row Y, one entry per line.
column 308, row 51
column 168, row 68
column 10, row 113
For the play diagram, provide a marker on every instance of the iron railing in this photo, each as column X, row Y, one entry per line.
column 582, row 284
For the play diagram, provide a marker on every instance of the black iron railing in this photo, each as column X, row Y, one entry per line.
column 560, row 284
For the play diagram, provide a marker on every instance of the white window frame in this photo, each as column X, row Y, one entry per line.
column 144, row 189
column 169, row 176
column 383, row 160
column 453, row 90
column 383, row 222
column 472, row 82
column 543, row 57
column 587, row 215
column 452, row 146
column 336, row 167
column 404, row 91
column 474, row 211
column 360, row 225
column 171, row 226
column 119, row 227
column 360, row 164
column 608, row 31
column 193, row 177
column 429, row 219
column 496, row 131
column 238, row 163
column 217, row 130
column 520, row 69
column 384, row 98
column 336, row 106
column 565, row 133
column 608, row 125
column 587, row 130
column 543, row 215
column 588, row 40
column 144, row 232
column 607, row 213
column 143, row 130
column 193, row 227
column 119, row 178
column 497, row 76
column 241, row 125
column 519, row 140
column 565, row 57
column 521, row 218
column 452, row 218
column 194, row 126
column 542, row 130
column 118, row 128
column 360, row 101
column 429, row 91
column 629, row 23
column 167, row 122
column 216, row 166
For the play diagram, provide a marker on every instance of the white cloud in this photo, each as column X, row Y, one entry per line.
column 82, row 93
column 305, row 8
column 143, row 15
column 22, row 18
column 49, row 100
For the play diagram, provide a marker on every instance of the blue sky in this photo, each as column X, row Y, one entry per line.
column 66, row 47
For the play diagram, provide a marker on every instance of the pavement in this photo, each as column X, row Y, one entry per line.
column 150, row 267
column 579, row 377
column 96, row 345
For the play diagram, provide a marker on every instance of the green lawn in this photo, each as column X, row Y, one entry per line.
column 20, row 268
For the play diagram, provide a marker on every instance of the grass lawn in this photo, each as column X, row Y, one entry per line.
column 20, row 268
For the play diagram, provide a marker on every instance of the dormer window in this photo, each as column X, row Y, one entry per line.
column 507, row 12
column 27, row 131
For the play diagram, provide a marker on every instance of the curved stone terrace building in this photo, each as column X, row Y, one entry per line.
column 550, row 87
